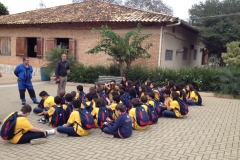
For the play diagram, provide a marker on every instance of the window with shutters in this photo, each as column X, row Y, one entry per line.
column 29, row 46
column 5, row 46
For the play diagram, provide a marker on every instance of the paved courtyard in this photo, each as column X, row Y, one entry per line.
column 208, row 132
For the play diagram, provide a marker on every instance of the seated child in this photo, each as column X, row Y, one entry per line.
column 48, row 103
column 144, row 100
column 69, row 99
column 116, row 101
column 166, row 94
column 73, row 125
column 110, row 87
column 74, row 94
column 147, row 85
column 181, row 93
column 80, row 94
column 194, row 99
column 24, row 132
column 151, row 97
column 173, row 110
column 88, row 104
column 133, row 115
column 39, row 108
column 100, row 112
column 142, row 91
column 62, row 94
column 56, row 114
column 153, row 86
column 121, row 127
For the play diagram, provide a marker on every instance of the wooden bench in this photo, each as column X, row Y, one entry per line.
column 107, row 79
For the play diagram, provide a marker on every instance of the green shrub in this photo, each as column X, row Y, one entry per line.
column 220, row 80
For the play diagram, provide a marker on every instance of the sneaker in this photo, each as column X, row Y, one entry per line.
column 36, row 102
column 23, row 103
column 38, row 141
column 61, row 134
column 50, row 131
column 107, row 135
column 42, row 120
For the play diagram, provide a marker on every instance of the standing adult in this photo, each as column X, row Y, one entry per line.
column 62, row 69
column 24, row 73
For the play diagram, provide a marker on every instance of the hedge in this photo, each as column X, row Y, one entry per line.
column 220, row 80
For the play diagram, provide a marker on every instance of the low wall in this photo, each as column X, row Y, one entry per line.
column 9, row 69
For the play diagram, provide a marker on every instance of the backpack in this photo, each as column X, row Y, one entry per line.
column 8, row 127
column 142, row 117
column 82, row 96
column 103, row 96
column 199, row 102
column 103, row 113
column 86, row 119
column 153, row 116
column 69, row 110
column 162, row 99
column 183, row 107
column 59, row 117
column 158, row 108
column 126, row 100
column 184, row 96
column 89, row 107
column 40, row 105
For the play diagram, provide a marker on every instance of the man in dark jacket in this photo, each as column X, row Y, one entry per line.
column 62, row 69
column 24, row 73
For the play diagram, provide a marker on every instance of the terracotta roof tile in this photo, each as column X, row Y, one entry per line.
column 88, row 11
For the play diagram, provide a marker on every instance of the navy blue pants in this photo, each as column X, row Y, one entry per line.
column 22, row 86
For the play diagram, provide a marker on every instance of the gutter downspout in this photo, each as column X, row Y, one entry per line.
column 161, row 41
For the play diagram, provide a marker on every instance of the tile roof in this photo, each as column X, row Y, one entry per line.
column 88, row 11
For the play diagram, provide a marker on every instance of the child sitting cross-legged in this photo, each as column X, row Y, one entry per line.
column 116, row 101
column 57, row 114
column 73, row 127
column 173, row 110
column 139, row 116
column 121, row 127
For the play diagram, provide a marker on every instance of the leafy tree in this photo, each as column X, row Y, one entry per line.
column 3, row 10
column 151, row 5
column 232, row 57
column 122, row 49
column 215, row 28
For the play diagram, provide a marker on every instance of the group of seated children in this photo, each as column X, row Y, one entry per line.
column 115, row 109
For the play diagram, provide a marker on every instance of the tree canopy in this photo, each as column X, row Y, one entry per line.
column 3, row 10
column 216, row 28
column 122, row 49
column 232, row 57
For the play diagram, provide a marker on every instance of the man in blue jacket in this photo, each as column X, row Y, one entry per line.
column 24, row 73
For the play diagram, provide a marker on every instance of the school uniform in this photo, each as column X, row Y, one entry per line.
column 175, row 112
column 121, row 128
column 132, row 113
column 75, row 130
column 194, row 99
column 94, row 113
column 113, row 108
column 116, row 88
column 21, row 131
column 51, row 111
column 156, row 94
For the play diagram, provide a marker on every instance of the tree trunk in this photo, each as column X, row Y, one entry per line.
column 128, row 64
column 120, row 66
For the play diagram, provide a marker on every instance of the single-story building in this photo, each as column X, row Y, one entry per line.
column 36, row 32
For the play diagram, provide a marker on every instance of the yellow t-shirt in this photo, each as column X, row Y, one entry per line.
column 145, row 107
column 156, row 94
column 52, row 110
column 174, row 105
column 110, row 94
column 113, row 108
column 194, row 96
column 49, row 102
column 77, row 96
column 23, row 124
column 151, row 102
column 94, row 113
column 178, row 92
column 167, row 101
column 88, row 103
column 132, row 113
column 142, row 94
column 75, row 120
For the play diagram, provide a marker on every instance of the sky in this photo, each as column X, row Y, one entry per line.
column 180, row 7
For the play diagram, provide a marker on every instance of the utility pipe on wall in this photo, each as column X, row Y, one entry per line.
column 161, row 40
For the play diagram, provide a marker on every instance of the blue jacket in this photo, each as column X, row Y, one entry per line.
column 123, row 125
column 23, row 73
